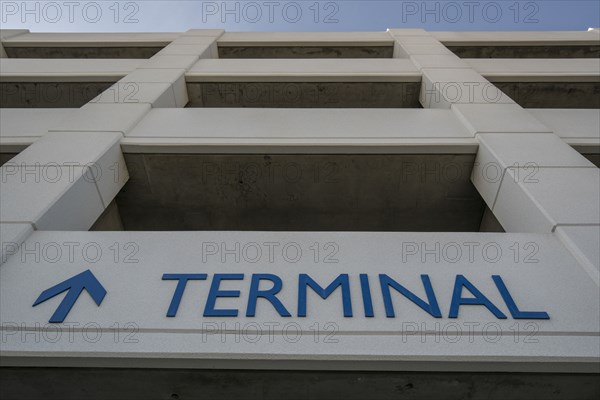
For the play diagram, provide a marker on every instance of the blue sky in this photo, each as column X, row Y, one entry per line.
column 298, row 15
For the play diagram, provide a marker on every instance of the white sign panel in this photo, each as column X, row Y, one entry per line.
column 369, row 300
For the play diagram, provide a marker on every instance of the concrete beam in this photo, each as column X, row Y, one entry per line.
column 513, row 38
column 66, row 70
column 303, row 70
column 537, row 69
column 239, row 130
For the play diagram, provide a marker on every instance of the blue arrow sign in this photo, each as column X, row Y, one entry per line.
column 75, row 285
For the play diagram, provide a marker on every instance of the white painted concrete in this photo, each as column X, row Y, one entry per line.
column 577, row 127
column 583, row 240
column 537, row 69
column 501, row 151
column 498, row 118
column 100, row 152
column 93, row 118
column 19, row 127
column 160, row 61
column 50, row 198
column 442, row 87
column 438, row 61
column 292, row 130
column 173, row 76
column 539, row 200
column 11, row 237
column 65, row 70
column 156, row 94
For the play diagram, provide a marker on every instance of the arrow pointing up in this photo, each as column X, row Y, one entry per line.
column 75, row 285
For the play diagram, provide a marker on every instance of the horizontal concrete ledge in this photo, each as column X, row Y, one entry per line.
column 577, row 127
column 249, row 39
column 233, row 130
column 20, row 127
column 29, row 122
column 225, row 130
column 519, row 38
column 303, row 70
column 365, row 146
column 537, row 69
column 323, row 365
column 66, row 70
column 260, row 39
column 80, row 39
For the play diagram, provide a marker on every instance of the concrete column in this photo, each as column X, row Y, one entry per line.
column 529, row 177
column 66, row 179
column 160, row 81
column 446, row 79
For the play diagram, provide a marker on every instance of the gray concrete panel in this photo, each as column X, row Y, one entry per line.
column 300, row 192
column 307, row 52
column 304, row 94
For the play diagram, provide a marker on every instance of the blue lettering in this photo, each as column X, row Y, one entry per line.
column 342, row 280
column 266, row 294
column 209, row 309
column 366, row 295
column 432, row 308
column 512, row 306
column 182, row 278
column 479, row 299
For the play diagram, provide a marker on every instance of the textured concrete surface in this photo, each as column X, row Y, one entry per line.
column 304, row 94
column 518, row 38
column 180, row 384
column 82, row 52
column 49, row 94
column 67, row 69
column 306, row 52
column 300, row 192
column 380, row 38
column 553, row 94
column 537, row 70
column 303, row 70
column 526, row 51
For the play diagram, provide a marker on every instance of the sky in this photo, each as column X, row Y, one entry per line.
column 298, row 15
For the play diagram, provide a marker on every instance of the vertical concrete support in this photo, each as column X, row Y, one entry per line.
column 529, row 177
column 200, row 42
column 446, row 78
column 583, row 242
column 75, row 176
column 520, row 159
column 532, row 180
column 160, row 81
column 68, row 178
column 49, row 196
